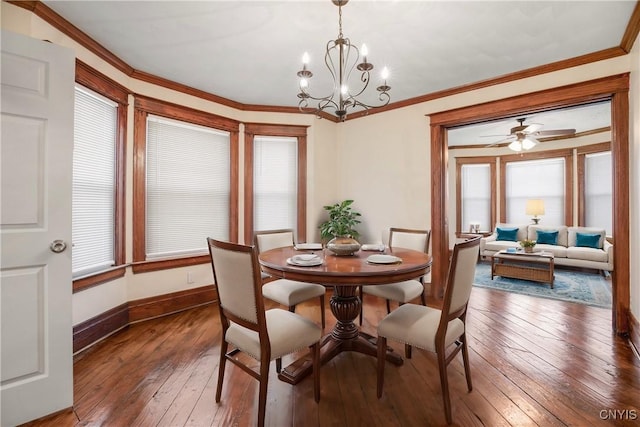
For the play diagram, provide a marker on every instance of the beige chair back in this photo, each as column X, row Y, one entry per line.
column 409, row 239
column 460, row 278
column 237, row 277
column 271, row 239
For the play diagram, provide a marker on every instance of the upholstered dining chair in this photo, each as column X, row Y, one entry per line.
column 283, row 291
column 405, row 291
column 436, row 330
column 263, row 335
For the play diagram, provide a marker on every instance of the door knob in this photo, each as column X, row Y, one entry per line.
column 58, row 246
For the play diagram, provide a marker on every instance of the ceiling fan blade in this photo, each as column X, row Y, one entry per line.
column 502, row 141
column 494, row 136
column 554, row 132
column 533, row 127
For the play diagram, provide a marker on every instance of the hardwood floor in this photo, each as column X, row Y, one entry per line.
column 533, row 362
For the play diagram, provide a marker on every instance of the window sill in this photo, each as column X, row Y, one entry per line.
column 99, row 278
column 156, row 265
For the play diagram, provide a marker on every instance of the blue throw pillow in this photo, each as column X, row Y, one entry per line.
column 547, row 237
column 508, row 234
column 588, row 240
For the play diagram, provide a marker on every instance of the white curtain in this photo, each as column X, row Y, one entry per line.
column 598, row 201
column 93, row 211
column 275, row 182
column 188, row 187
column 476, row 196
column 536, row 179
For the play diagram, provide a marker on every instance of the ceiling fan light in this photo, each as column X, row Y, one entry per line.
column 515, row 146
column 528, row 144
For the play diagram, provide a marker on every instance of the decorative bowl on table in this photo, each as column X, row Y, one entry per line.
column 343, row 245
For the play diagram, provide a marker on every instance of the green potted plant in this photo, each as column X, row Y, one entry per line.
column 528, row 245
column 339, row 229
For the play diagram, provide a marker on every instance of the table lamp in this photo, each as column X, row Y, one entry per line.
column 535, row 207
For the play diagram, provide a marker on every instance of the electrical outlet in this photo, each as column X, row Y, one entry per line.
column 189, row 277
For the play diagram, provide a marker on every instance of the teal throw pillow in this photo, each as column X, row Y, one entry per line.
column 508, row 234
column 588, row 240
column 547, row 237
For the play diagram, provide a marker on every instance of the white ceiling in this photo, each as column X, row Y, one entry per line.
column 250, row 51
column 581, row 118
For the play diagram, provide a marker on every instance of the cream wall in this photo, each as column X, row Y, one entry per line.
column 381, row 161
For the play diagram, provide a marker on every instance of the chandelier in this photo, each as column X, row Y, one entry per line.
column 341, row 58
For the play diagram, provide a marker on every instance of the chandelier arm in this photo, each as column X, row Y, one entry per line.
column 364, row 79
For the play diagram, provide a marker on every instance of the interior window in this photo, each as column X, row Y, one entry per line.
column 475, row 189
column 275, row 179
column 598, row 191
column 94, row 178
column 536, row 179
column 187, row 187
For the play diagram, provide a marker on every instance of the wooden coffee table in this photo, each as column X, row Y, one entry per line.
column 536, row 266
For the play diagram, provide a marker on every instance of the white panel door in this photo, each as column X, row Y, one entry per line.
column 35, row 281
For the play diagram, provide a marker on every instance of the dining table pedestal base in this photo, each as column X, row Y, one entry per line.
column 345, row 336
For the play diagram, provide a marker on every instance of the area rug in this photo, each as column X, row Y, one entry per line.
column 584, row 288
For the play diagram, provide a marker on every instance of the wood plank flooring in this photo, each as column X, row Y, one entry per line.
column 534, row 362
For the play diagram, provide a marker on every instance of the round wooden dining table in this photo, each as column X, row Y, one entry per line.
column 345, row 274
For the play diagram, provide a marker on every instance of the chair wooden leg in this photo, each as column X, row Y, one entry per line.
column 361, row 304
column 388, row 307
column 423, row 299
column 223, row 361
column 465, row 359
column 322, row 310
column 407, row 351
column 262, row 394
column 315, row 356
column 444, row 383
column 382, row 353
column 279, row 364
column 292, row 308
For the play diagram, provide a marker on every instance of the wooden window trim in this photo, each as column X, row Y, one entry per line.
column 581, row 153
column 99, row 83
column 566, row 154
column 460, row 161
column 143, row 107
column 263, row 129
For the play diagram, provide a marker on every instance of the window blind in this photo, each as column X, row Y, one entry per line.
column 93, row 192
column 187, row 187
column 536, row 179
column 275, row 182
column 476, row 196
column 598, row 193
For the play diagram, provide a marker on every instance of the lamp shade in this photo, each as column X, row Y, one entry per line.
column 535, row 207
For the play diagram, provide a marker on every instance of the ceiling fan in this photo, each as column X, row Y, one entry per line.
column 525, row 137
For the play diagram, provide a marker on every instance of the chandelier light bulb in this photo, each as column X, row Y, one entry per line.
column 304, row 83
column 364, row 51
column 344, row 89
column 385, row 73
column 305, row 58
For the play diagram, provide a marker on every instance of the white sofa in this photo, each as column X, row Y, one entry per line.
column 565, row 250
